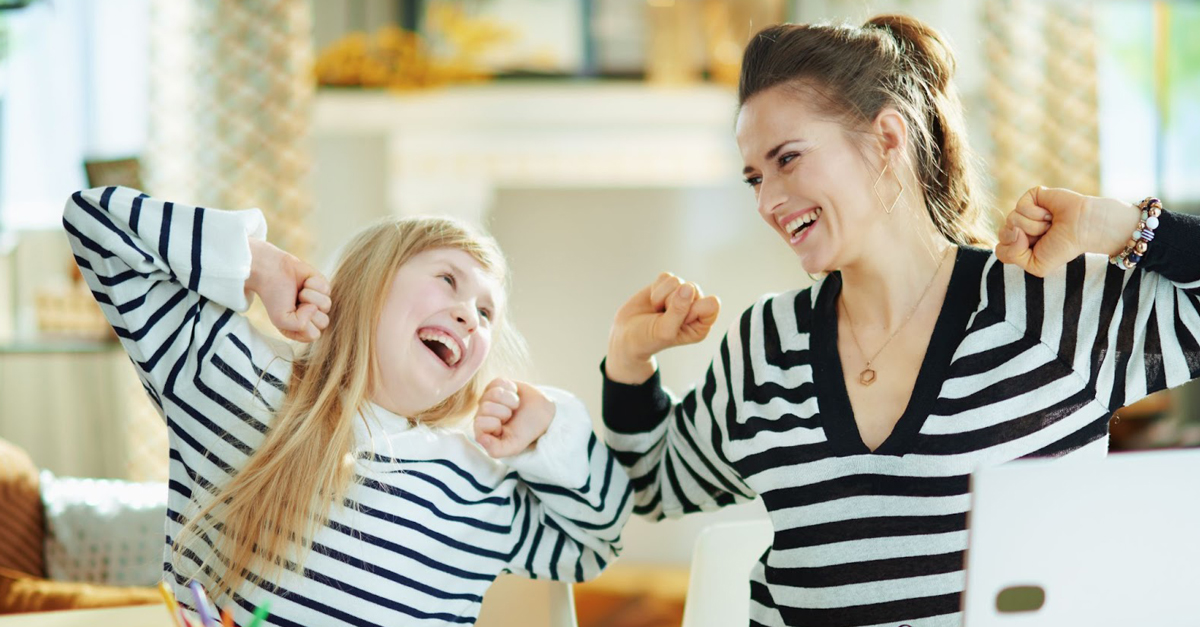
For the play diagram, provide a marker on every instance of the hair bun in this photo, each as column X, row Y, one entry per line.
column 922, row 46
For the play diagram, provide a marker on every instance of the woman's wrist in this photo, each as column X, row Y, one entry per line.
column 1114, row 222
column 628, row 370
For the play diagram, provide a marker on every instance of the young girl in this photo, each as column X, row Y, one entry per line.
column 858, row 408
column 330, row 483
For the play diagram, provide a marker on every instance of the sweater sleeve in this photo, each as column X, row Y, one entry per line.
column 1129, row 333
column 576, row 498
column 170, row 279
column 674, row 450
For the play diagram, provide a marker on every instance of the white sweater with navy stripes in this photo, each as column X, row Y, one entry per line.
column 1017, row 366
column 431, row 521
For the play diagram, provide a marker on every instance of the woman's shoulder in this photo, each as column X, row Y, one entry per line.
column 790, row 310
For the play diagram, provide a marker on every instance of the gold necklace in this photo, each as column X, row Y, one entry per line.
column 867, row 376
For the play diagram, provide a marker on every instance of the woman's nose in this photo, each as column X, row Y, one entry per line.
column 770, row 195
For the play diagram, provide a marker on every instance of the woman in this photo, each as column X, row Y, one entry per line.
column 858, row 408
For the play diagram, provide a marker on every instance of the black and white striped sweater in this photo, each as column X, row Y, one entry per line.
column 433, row 519
column 1017, row 366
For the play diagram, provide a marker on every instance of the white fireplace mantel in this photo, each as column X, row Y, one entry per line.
column 449, row 150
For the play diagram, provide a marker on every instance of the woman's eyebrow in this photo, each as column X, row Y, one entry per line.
column 771, row 153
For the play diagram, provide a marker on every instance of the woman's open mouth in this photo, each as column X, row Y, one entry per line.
column 797, row 228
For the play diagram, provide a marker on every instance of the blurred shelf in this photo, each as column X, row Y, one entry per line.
column 448, row 151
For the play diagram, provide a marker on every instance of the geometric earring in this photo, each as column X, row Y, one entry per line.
column 875, row 187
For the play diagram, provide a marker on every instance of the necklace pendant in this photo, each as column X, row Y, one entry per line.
column 866, row 377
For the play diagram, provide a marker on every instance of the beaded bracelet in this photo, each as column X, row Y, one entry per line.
column 1135, row 249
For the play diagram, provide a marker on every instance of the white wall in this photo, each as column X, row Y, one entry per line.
column 577, row 255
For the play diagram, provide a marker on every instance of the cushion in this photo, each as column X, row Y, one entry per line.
column 21, row 526
column 104, row 531
column 21, row 593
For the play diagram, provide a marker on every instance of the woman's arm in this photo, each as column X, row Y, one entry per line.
column 672, row 449
column 1128, row 332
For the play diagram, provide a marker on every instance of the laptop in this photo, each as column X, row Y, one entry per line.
column 1100, row 543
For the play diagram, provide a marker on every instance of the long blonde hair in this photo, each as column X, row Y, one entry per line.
column 263, row 521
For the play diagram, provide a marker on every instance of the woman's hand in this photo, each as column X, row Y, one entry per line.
column 1050, row 227
column 511, row 416
column 295, row 295
column 668, row 312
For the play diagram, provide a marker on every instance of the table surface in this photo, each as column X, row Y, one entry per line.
column 132, row 616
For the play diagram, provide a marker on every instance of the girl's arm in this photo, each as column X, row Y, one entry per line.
column 573, row 499
column 577, row 499
column 1128, row 332
column 172, row 279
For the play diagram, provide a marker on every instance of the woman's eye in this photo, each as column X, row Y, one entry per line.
column 487, row 315
column 787, row 158
column 754, row 181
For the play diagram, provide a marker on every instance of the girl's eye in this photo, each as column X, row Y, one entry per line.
column 487, row 315
column 448, row 278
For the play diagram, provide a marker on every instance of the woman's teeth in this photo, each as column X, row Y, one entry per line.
column 797, row 224
column 443, row 346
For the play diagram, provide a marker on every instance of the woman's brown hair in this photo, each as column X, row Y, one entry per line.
column 852, row 73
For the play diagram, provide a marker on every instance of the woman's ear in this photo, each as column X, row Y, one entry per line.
column 891, row 132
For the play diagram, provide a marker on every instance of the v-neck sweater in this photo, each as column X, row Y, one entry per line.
column 1017, row 367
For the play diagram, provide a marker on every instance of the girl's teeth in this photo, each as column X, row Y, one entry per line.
column 445, row 341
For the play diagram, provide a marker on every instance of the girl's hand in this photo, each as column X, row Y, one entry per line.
column 1050, row 227
column 512, row 415
column 295, row 295
column 666, row 313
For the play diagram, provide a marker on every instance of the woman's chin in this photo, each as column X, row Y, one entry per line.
column 813, row 262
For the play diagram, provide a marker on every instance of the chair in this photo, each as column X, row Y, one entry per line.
column 719, row 589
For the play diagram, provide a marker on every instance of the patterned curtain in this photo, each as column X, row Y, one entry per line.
column 1041, row 94
column 231, row 93
column 231, row 89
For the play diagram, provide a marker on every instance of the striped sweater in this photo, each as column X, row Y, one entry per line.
column 1017, row 366
column 431, row 520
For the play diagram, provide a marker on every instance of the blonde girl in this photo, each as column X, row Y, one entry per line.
column 332, row 482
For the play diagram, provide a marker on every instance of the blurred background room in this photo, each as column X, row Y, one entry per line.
column 593, row 138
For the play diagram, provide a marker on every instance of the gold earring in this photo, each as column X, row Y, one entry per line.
column 875, row 188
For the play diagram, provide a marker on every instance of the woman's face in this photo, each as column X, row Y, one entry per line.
column 435, row 329
column 811, row 180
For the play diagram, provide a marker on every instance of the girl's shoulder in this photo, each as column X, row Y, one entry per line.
column 391, row 441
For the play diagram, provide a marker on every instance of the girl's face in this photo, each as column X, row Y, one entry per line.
column 435, row 329
column 811, row 181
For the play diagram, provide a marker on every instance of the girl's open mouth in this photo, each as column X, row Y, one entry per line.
column 441, row 344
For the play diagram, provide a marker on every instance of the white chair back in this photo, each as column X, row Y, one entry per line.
column 719, row 588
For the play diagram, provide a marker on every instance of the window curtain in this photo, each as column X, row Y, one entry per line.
column 231, row 90
column 1041, row 97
